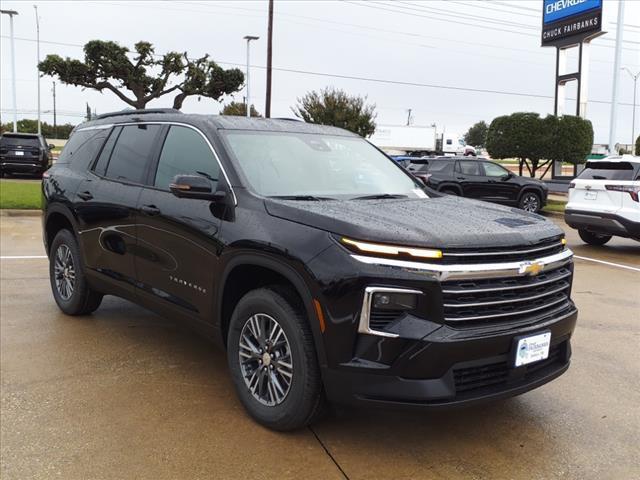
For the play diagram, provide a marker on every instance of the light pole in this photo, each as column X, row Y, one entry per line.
column 38, row 71
column 11, row 13
column 635, row 77
column 248, row 38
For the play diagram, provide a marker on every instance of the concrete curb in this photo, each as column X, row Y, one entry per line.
column 11, row 212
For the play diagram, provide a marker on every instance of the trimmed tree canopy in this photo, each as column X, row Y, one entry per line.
column 239, row 109
column 335, row 107
column 571, row 139
column 108, row 66
column 477, row 134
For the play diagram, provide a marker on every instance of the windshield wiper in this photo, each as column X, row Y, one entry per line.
column 380, row 196
column 300, row 197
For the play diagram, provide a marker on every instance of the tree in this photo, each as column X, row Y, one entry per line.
column 571, row 139
column 107, row 66
column 335, row 107
column 238, row 109
column 27, row 125
column 521, row 135
column 477, row 134
column 638, row 145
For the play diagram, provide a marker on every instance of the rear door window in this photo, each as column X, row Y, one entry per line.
column 607, row 171
column 132, row 151
column 100, row 167
column 469, row 167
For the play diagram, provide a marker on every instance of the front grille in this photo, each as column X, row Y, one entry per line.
column 514, row 300
column 504, row 254
column 498, row 375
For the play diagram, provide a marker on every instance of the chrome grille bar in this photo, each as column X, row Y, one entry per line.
column 511, row 300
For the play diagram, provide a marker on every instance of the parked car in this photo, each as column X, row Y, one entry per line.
column 24, row 153
column 482, row 180
column 603, row 200
column 326, row 270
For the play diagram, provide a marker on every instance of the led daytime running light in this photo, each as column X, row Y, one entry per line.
column 392, row 249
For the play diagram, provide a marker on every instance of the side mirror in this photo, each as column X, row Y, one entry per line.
column 51, row 146
column 194, row 186
column 507, row 176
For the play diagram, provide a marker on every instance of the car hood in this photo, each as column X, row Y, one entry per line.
column 445, row 221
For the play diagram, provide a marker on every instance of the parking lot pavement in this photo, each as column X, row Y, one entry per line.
column 127, row 394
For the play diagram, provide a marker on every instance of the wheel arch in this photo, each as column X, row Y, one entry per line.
column 530, row 188
column 57, row 217
column 248, row 271
column 450, row 186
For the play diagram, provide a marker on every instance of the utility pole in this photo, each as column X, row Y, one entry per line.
column 11, row 14
column 38, row 71
column 633, row 119
column 267, row 105
column 55, row 127
column 616, row 75
column 248, row 38
column 408, row 117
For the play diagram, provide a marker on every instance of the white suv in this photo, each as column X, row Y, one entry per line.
column 603, row 200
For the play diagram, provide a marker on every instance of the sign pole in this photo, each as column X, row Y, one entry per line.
column 616, row 73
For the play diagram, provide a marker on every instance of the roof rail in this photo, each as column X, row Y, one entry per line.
column 137, row 112
column 290, row 119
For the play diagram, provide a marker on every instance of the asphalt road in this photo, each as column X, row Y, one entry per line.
column 126, row 394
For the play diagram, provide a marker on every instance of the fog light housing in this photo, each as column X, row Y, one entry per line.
column 394, row 301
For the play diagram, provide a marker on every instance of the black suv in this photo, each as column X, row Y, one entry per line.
column 326, row 271
column 482, row 180
column 24, row 153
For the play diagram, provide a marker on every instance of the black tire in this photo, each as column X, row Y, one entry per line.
column 303, row 400
column 80, row 298
column 530, row 202
column 593, row 238
column 451, row 191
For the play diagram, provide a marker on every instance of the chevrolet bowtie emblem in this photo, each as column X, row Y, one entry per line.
column 531, row 268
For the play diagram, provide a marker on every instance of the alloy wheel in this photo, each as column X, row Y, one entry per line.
column 530, row 203
column 65, row 273
column 265, row 359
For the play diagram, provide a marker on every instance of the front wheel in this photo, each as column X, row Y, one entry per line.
column 272, row 359
column 593, row 238
column 71, row 290
column 530, row 202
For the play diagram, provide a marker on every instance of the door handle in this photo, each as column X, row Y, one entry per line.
column 461, row 178
column 86, row 195
column 150, row 210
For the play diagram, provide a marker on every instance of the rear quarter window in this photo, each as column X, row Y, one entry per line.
column 607, row 171
column 441, row 167
column 82, row 148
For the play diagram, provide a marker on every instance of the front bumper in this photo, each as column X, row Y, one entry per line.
column 453, row 348
column 478, row 369
column 603, row 223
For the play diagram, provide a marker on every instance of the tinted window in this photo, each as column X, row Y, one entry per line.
column 493, row 170
column 469, row 167
column 132, row 150
column 9, row 140
column 441, row 167
column 82, row 148
column 184, row 152
column 105, row 154
column 607, row 171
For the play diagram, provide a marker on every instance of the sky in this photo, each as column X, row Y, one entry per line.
column 402, row 52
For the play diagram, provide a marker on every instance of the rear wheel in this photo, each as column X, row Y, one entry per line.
column 451, row 191
column 272, row 359
column 530, row 202
column 70, row 289
column 593, row 238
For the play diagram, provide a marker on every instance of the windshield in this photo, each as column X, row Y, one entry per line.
column 15, row 140
column 284, row 164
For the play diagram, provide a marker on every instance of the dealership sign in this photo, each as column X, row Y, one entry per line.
column 568, row 21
